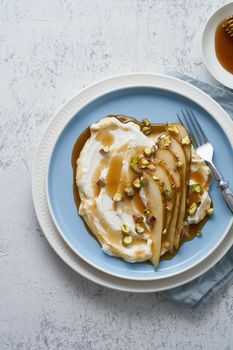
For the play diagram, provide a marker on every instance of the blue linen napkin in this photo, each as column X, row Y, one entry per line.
column 198, row 291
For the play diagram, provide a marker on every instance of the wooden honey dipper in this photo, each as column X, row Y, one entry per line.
column 228, row 26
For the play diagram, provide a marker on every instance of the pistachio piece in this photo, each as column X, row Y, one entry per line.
column 134, row 161
column 210, row 211
column 192, row 209
column 138, row 218
column 129, row 191
column 155, row 178
column 168, row 208
column 146, row 122
column 196, row 188
column 173, row 129
column 199, row 233
column 146, row 212
column 179, row 164
column 150, row 219
column 143, row 163
column 143, row 181
column 124, row 228
column 151, row 167
column 104, row 150
column 167, row 194
column 139, row 228
column 185, row 140
column 165, row 231
column 137, row 183
column 127, row 241
column 166, row 141
column 117, row 197
column 148, row 151
column 101, row 182
column 146, row 130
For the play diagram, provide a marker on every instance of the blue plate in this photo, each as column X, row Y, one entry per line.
column 159, row 106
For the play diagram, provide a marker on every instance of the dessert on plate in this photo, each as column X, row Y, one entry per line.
column 140, row 188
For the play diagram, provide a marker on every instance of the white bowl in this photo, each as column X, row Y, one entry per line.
column 208, row 46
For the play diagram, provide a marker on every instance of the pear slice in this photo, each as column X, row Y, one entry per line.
column 162, row 173
column 182, row 134
column 156, row 206
column 177, row 148
column 169, row 159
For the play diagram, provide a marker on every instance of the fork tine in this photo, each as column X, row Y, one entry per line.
column 180, row 119
column 198, row 135
column 200, row 128
column 189, row 131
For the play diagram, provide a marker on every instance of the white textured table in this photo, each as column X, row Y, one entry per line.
column 49, row 50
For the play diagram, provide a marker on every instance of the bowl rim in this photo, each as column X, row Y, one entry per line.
column 209, row 67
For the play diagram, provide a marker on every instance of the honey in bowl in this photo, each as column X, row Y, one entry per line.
column 224, row 46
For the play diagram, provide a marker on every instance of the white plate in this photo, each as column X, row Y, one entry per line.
column 40, row 167
column 208, row 46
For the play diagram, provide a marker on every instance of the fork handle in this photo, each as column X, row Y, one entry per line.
column 223, row 185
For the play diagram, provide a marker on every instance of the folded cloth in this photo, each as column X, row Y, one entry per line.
column 198, row 291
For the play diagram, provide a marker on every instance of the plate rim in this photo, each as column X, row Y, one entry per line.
column 77, row 264
column 107, row 90
column 209, row 67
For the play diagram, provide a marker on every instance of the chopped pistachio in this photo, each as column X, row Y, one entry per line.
column 165, row 231
column 155, row 178
column 150, row 220
column 117, row 197
column 127, row 241
column 143, row 181
column 210, row 211
column 173, row 129
column 148, row 151
column 143, row 163
column 151, row 167
column 196, row 188
column 104, row 150
column 179, row 164
column 146, row 122
column 185, row 140
column 134, row 161
column 124, row 228
column 139, row 228
column 167, row 194
column 138, row 218
column 168, row 208
column 129, row 191
column 146, row 212
column 198, row 233
column 192, row 209
column 166, row 141
column 101, row 182
column 137, row 183
column 146, row 130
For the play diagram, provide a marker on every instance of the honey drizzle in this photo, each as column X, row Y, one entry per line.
column 112, row 184
column 224, row 47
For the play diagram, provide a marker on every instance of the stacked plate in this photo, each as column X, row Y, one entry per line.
column 159, row 98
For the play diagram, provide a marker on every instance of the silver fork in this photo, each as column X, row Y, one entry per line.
column 205, row 150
